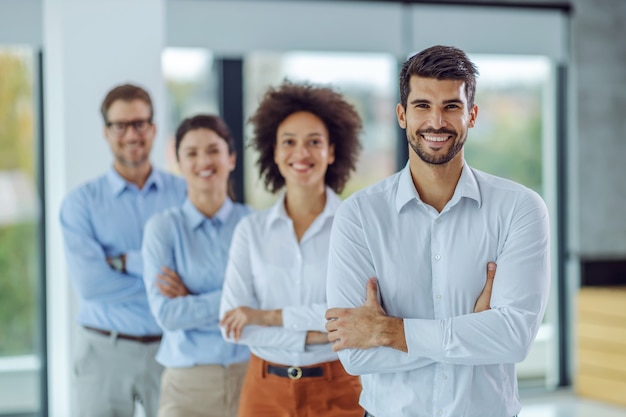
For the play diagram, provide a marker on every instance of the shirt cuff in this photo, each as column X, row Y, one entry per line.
column 424, row 338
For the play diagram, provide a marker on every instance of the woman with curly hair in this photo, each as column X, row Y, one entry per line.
column 274, row 296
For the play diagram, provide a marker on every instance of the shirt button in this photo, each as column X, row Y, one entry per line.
column 440, row 412
column 437, row 257
column 438, row 296
column 437, row 221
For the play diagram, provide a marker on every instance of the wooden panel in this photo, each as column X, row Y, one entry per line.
column 608, row 301
column 601, row 344
column 601, row 389
column 607, row 333
column 615, row 362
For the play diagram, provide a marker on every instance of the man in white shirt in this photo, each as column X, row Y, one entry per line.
column 426, row 234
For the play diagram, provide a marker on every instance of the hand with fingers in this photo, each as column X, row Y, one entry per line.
column 236, row 319
column 364, row 327
column 170, row 284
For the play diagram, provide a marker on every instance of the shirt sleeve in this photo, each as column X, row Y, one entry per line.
column 179, row 313
column 134, row 262
column 239, row 291
column 94, row 280
column 305, row 318
column 350, row 265
column 519, row 297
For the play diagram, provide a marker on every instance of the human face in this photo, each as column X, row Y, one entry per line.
column 131, row 149
column 303, row 150
column 437, row 119
column 204, row 160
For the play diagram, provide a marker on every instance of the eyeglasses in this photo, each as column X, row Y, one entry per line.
column 119, row 128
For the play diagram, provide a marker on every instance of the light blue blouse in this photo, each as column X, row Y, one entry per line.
column 196, row 247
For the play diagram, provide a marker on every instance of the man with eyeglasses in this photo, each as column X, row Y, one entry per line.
column 102, row 223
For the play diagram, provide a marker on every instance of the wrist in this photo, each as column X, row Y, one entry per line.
column 273, row 318
column 390, row 333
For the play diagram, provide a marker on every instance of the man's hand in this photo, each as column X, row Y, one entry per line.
column 170, row 284
column 236, row 319
column 484, row 299
column 117, row 263
column 366, row 326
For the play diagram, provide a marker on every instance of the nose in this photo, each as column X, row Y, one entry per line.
column 302, row 150
column 436, row 118
column 130, row 131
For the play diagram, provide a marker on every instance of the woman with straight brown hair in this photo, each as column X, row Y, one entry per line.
column 185, row 253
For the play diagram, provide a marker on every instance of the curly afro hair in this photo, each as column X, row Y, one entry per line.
column 340, row 118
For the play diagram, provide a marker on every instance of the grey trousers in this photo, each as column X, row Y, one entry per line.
column 110, row 374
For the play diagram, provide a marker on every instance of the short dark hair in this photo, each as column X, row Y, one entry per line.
column 442, row 63
column 340, row 118
column 210, row 122
column 125, row 92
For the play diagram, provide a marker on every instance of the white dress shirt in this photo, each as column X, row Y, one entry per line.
column 431, row 268
column 269, row 269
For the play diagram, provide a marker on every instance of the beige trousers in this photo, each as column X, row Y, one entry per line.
column 201, row 391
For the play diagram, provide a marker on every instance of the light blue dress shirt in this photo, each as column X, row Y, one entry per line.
column 106, row 217
column 431, row 268
column 196, row 247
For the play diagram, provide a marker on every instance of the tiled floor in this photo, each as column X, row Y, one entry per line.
column 565, row 404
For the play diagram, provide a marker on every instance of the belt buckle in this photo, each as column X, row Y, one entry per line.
column 294, row 372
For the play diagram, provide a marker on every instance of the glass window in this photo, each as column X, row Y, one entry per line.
column 368, row 81
column 192, row 88
column 509, row 140
column 20, row 227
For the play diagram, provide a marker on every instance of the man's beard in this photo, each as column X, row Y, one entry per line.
column 131, row 164
column 416, row 145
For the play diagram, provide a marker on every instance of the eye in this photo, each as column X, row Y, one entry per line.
column 452, row 106
column 315, row 142
column 421, row 106
column 288, row 142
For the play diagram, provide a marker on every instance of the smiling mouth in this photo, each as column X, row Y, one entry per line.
column 300, row 166
column 438, row 139
column 206, row 173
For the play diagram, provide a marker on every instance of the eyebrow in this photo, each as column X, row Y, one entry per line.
column 425, row 101
column 293, row 134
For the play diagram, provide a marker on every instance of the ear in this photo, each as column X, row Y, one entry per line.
column 401, row 113
column 473, row 115
column 232, row 159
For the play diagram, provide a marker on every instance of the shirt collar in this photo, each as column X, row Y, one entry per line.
column 195, row 218
column 278, row 211
column 466, row 187
column 119, row 184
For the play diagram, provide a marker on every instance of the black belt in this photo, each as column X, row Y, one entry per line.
column 141, row 339
column 295, row 372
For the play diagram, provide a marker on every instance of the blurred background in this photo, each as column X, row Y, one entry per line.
column 551, row 93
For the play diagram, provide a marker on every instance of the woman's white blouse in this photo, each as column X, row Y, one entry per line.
column 269, row 269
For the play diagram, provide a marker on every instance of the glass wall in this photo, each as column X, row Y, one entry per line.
column 20, row 228
column 510, row 140
column 191, row 89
